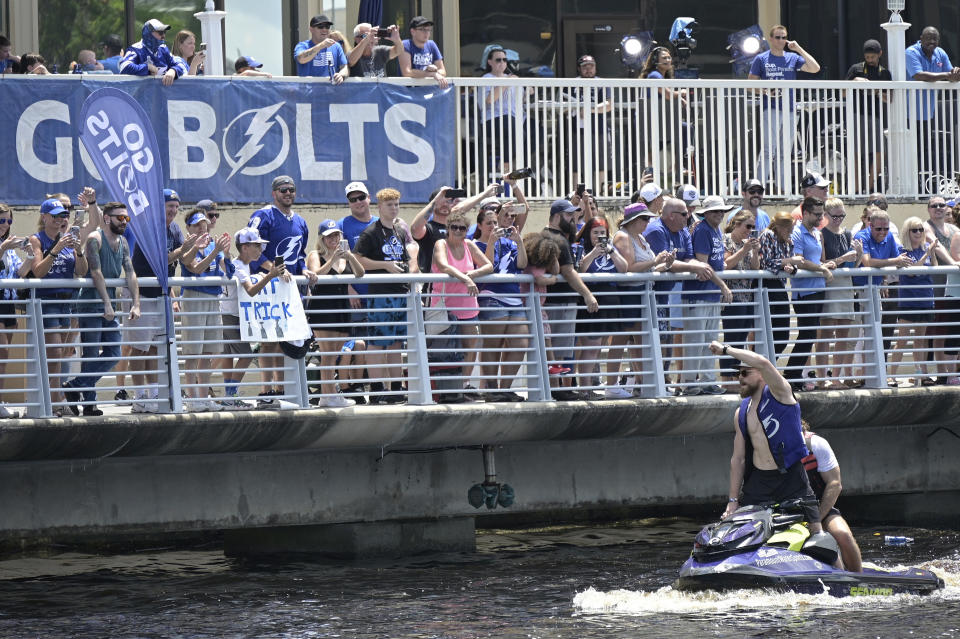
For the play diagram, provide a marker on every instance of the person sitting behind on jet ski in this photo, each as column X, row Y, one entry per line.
column 151, row 56
column 768, row 445
column 823, row 472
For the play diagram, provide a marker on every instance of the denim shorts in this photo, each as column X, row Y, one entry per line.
column 394, row 322
column 493, row 309
column 56, row 313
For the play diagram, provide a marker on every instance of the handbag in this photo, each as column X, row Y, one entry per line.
column 435, row 318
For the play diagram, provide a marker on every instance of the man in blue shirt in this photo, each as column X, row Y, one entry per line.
column 702, row 298
column 113, row 51
column 927, row 62
column 421, row 57
column 321, row 56
column 7, row 62
column 752, row 199
column 151, row 56
column 808, row 292
column 781, row 62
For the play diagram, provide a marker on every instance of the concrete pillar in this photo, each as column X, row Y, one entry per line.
column 902, row 142
column 355, row 540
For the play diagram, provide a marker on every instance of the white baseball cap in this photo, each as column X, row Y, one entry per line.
column 650, row 192
column 354, row 187
column 248, row 235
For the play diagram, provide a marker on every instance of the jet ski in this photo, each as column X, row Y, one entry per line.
column 770, row 546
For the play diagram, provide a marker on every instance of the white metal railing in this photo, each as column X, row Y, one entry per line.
column 716, row 134
column 631, row 353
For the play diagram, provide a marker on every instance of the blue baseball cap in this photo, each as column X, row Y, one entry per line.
column 327, row 227
column 195, row 218
column 169, row 195
column 53, row 206
column 562, row 206
column 253, row 64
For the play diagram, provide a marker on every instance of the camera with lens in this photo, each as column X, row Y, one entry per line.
column 404, row 266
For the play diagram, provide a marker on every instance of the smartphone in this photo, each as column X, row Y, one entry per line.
column 508, row 231
column 754, row 233
column 203, row 48
column 502, row 232
column 581, row 188
column 383, row 33
column 648, row 170
column 74, row 231
column 520, row 174
column 452, row 194
column 345, row 245
column 24, row 244
column 499, row 190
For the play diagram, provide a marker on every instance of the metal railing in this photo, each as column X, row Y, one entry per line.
column 647, row 342
column 863, row 136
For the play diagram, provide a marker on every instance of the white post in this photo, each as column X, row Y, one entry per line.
column 211, row 33
column 902, row 143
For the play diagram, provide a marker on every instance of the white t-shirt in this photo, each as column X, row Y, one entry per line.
column 820, row 448
column 228, row 302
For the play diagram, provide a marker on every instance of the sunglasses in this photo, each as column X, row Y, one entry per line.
column 838, row 217
column 6, row 221
column 880, row 228
column 779, row 37
column 499, row 59
column 875, row 202
column 919, row 230
column 63, row 215
column 213, row 216
column 750, row 226
column 121, row 218
column 755, row 191
column 287, row 189
column 939, row 205
column 458, row 228
column 743, row 372
column 357, row 198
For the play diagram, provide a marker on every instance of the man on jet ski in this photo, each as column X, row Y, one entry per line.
column 768, row 445
column 823, row 472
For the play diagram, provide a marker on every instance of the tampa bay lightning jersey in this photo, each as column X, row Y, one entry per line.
column 287, row 238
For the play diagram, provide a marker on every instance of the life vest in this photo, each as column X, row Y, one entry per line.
column 781, row 426
column 813, row 469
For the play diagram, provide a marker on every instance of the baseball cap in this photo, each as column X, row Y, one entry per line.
column 488, row 201
column 156, row 25
column 562, row 206
column 248, row 235
column 112, row 40
column 650, row 192
column 356, row 186
column 420, row 21
column 53, row 206
column 872, row 46
column 586, row 59
column 207, row 205
column 251, row 62
column 319, row 20
column 169, row 195
column 714, row 203
column 689, row 194
column 753, row 183
column 327, row 227
column 280, row 180
column 813, row 179
column 195, row 218
column 633, row 211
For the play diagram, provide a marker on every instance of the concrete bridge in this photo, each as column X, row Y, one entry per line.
column 372, row 480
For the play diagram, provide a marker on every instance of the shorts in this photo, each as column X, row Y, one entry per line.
column 200, row 326
column 947, row 309
column 8, row 314
column 838, row 302
column 387, row 326
column 56, row 313
column 493, row 309
column 231, row 335
column 914, row 317
column 562, row 328
column 145, row 332
column 633, row 307
column 772, row 486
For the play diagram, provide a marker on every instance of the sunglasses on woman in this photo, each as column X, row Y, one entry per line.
column 458, row 228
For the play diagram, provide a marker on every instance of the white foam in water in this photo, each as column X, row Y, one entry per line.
column 668, row 600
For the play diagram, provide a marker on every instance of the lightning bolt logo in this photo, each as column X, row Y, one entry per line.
column 260, row 125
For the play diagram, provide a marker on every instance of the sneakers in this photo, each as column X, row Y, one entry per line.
column 5, row 412
column 145, row 405
column 337, row 401
column 953, row 380
column 92, row 411
column 121, row 395
column 556, row 369
column 713, row 389
column 565, row 395
column 691, row 391
column 233, row 403
column 73, row 399
column 471, row 393
column 617, row 392
column 203, row 406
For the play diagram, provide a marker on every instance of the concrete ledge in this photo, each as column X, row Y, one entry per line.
column 385, row 428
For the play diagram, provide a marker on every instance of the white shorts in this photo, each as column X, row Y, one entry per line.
column 201, row 329
column 147, row 330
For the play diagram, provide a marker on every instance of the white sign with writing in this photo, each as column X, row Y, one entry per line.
column 275, row 314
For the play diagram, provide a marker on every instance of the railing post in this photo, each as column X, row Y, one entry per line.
column 719, row 120
column 654, row 378
column 168, row 390
column 848, row 145
column 540, row 392
column 876, row 371
column 38, row 393
column 417, row 357
column 762, row 302
column 588, row 141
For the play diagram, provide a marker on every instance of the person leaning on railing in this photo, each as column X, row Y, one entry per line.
column 776, row 256
column 57, row 255
column 10, row 268
column 501, row 304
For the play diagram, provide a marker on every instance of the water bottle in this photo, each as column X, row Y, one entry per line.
column 897, row 540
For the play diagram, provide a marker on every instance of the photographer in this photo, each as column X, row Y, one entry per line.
column 381, row 248
column 369, row 58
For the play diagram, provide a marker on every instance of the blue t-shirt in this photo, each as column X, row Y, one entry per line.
column 922, row 297
column 422, row 58
column 63, row 265
column 767, row 66
column 810, row 246
column 939, row 62
column 763, row 219
column 351, row 228
column 660, row 238
column 324, row 65
column 112, row 63
column 884, row 250
column 286, row 237
column 707, row 241
column 6, row 64
column 505, row 253
column 215, row 269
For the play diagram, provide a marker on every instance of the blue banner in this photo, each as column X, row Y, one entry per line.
column 226, row 139
column 121, row 143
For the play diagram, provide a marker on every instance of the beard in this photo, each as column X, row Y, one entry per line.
column 117, row 229
column 568, row 228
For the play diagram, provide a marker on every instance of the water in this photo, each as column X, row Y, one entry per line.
column 584, row 582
